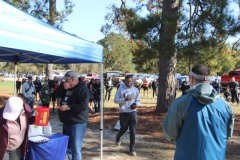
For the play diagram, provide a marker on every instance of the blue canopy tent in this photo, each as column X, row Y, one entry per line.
column 26, row 39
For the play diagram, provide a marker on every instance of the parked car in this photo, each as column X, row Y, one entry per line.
column 150, row 78
column 225, row 79
column 212, row 79
column 178, row 75
column 179, row 81
column 111, row 74
column 90, row 76
column 116, row 78
column 58, row 74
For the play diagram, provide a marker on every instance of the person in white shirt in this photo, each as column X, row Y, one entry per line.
column 138, row 83
column 128, row 98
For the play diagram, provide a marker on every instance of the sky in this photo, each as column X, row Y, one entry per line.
column 88, row 18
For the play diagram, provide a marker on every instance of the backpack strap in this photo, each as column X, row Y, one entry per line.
column 28, row 88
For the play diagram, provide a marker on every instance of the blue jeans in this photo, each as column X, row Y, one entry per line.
column 30, row 102
column 76, row 133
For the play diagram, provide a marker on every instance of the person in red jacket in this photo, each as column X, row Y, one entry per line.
column 145, row 86
column 15, row 117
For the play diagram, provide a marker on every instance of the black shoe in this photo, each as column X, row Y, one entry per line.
column 118, row 142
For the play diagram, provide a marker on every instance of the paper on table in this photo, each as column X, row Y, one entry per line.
column 35, row 130
column 38, row 139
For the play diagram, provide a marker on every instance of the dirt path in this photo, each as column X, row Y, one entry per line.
column 147, row 147
column 111, row 152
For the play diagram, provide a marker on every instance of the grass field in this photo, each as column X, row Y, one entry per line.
column 7, row 89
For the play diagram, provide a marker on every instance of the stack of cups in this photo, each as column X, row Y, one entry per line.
column 47, row 129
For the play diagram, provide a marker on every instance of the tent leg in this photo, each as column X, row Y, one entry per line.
column 14, row 79
column 101, row 114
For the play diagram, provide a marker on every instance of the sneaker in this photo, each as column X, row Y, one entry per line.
column 91, row 110
column 133, row 153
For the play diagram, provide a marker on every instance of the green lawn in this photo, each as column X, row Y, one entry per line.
column 147, row 101
column 150, row 102
column 6, row 88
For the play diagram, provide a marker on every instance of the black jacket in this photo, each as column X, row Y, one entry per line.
column 77, row 99
column 233, row 86
column 184, row 87
column 38, row 85
column 154, row 85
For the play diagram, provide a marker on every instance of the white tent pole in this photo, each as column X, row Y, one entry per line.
column 14, row 79
column 101, row 114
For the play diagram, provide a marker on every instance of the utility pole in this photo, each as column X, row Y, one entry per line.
column 190, row 40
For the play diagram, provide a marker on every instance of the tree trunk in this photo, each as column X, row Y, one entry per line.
column 50, row 71
column 52, row 18
column 52, row 12
column 167, row 55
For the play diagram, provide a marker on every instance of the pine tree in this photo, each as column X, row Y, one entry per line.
column 168, row 30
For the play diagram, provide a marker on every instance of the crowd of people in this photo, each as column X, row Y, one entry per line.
column 43, row 91
column 200, row 120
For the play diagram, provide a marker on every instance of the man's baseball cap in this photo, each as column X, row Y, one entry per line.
column 12, row 109
column 69, row 74
column 30, row 77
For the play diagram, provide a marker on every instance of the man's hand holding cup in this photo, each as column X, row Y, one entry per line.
column 133, row 106
column 128, row 98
